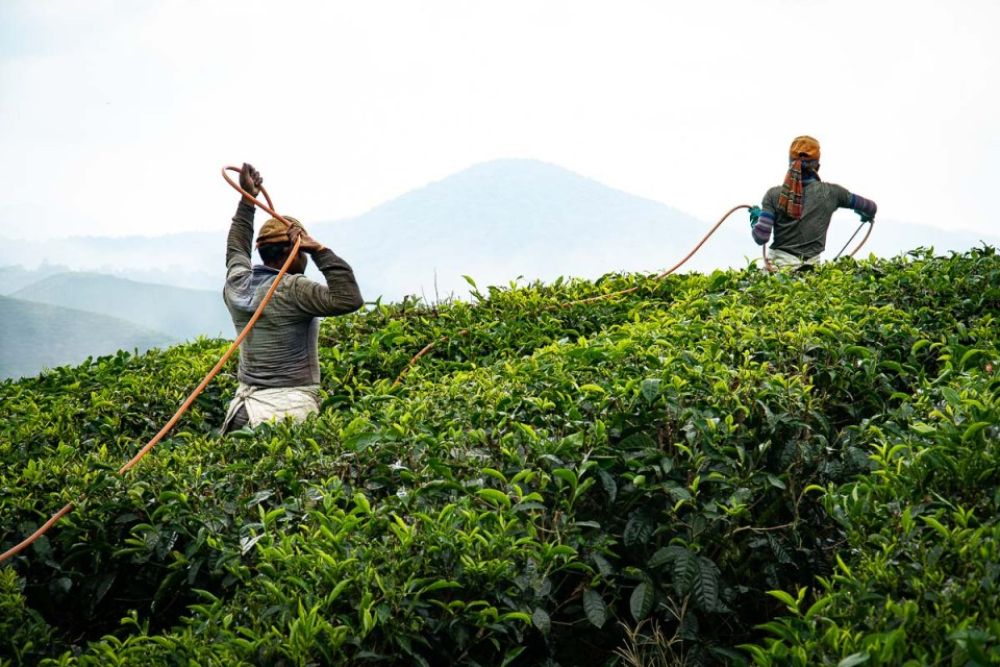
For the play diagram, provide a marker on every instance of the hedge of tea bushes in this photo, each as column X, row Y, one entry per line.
column 548, row 478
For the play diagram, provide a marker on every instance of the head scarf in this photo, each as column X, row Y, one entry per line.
column 804, row 149
column 275, row 231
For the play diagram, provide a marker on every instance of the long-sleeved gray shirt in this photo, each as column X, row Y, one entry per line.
column 806, row 237
column 282, row 348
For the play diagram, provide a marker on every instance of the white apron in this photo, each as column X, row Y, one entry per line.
column 264, row 403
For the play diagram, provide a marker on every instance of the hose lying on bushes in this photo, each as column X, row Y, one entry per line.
column 767, row 265
column 269, row 207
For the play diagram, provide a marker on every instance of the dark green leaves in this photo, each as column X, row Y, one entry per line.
column 637, row 530
column 455, row 517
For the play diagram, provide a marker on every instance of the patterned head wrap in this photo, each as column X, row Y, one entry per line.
column 275, row 231
column 804, row 150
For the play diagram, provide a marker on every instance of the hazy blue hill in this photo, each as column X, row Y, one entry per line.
column 190, row 259
column 176, row 311
column 501, row 219
column 34, row 336
column 15, row 277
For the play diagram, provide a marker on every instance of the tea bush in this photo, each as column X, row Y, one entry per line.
column 770, row 468
column 922, row 541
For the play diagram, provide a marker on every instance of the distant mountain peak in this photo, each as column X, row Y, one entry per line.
column 512, row 178
column 503, row 191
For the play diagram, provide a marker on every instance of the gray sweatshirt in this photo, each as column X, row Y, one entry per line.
column 806, row 237
column 281, row 349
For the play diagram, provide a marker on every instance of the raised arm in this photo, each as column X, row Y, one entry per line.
column 340, row 295
column 240, row 241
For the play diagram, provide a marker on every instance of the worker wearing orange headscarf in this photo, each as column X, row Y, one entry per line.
column 799, row 210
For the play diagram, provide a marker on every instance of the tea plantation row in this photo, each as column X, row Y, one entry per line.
column 736, row 468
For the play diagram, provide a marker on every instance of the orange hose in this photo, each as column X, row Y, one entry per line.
column 424, row 350
column 427, row 348
column 13, row 551
column 673, row 268
column 871, row 225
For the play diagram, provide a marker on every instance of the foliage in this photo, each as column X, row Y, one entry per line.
column 541, row 489
column 923, row 540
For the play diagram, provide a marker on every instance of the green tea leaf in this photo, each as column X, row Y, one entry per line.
column 641, row 601
column 706, row 584
column 540, row 619
column 494, row 497
column 650, row 389
column 593, row 606
column 854, row 659
column 974, row 429
column 638, row 530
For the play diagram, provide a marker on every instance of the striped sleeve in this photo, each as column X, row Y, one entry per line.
column 762, row 230
column 866, row 208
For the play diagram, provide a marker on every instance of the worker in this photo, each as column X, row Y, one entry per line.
column 279, row 363
column 799, row 210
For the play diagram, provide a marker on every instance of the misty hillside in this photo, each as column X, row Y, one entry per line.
column 179, row 312
column 34, row 336
column 494, row 221
column 15, row 277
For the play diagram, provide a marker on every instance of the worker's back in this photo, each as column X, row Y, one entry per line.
column 806, row 237
column 281, row 349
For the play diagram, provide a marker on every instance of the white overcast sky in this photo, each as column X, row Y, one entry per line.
column 116, row 116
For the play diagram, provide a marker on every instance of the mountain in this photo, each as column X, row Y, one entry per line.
column 35, row 336
column 179, row 312
column 508, row 218
column 494, row 221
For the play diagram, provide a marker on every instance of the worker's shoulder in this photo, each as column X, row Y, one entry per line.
column 772, row 194
column 832, row 190
column 297, row 282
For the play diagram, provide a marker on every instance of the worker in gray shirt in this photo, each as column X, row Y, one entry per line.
column 800, row 209
column 279, row 363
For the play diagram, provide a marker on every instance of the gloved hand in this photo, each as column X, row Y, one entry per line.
column 866, row 218
column 250, row 179
column 755, row 212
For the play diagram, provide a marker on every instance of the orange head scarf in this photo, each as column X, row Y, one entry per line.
column 803, row 149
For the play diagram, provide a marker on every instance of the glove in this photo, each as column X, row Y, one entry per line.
column 250, row 179
column 755, row 212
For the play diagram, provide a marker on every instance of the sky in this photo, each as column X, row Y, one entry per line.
column 116, row 116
